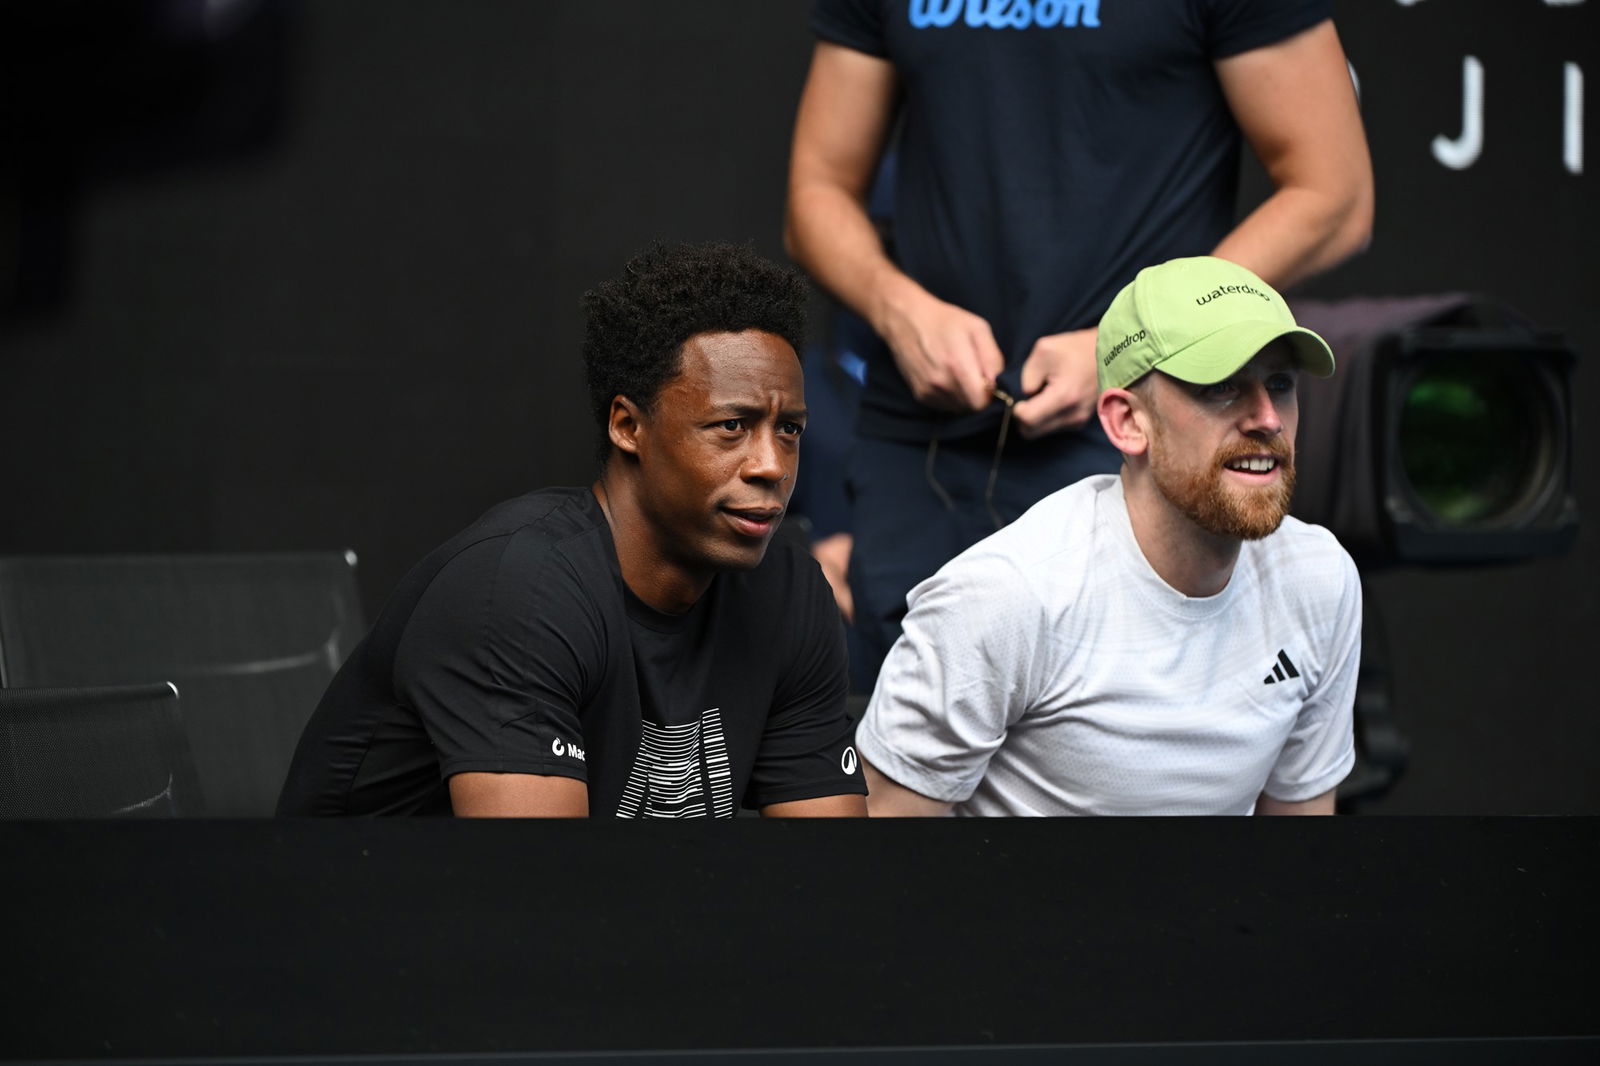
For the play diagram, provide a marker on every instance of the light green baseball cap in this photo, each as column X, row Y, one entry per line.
column 1199, row 320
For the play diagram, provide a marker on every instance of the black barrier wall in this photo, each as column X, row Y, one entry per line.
column 310, row 280
column 1163, row 941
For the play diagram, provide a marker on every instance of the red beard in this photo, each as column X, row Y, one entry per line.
column 1245, row 513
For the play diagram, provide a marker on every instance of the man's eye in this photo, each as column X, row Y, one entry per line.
column 732, row 425
column 1281, row 383
column 1220, row 391
column 791, row 428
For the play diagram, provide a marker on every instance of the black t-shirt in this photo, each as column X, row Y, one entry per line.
column 516, row 648
column 1050, row 150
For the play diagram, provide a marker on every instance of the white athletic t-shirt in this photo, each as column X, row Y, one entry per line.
column 1049, row 670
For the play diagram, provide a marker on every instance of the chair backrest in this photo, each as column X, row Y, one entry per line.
column 94, row 753
column 251, row 640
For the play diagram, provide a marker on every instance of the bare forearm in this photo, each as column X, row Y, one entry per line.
column 494, row 795
column 1299, row 232
column 827, row 231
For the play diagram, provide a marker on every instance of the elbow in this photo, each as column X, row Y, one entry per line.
column 1337, row 230
column 1351, row 233
column 810, row 203
column 1358, row 221
column 795, row 221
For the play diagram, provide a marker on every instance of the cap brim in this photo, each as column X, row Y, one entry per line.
column 1213, row 358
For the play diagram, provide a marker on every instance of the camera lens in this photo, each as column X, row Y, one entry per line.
column 1476, row 438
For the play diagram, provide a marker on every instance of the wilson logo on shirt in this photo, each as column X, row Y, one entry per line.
column 1004, row 14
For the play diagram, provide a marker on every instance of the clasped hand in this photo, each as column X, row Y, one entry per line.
column 949, row 358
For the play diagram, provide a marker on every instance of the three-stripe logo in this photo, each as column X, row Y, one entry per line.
column 1282, row 670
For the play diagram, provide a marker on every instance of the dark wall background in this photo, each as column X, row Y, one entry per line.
column 306, row 276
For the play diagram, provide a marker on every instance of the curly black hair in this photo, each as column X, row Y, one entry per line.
column 637, row 322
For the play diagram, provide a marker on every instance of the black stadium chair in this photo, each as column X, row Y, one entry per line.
column 251, row 640
column 116, row 751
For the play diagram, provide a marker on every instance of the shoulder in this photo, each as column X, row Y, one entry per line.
column 1053, row 541
column 540, row 525
column 1026, row 578
column 856, row 24
column 547, row 547
column 1306, row 563
column 1066, row 519
column 1300, row 540
column 1236, row 26
column 545, row 516
column 527, row 586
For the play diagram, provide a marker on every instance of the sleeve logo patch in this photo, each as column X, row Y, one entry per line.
column 573, row 750
column 847, row 762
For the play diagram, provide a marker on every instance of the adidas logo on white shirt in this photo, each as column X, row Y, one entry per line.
column 1282, row 670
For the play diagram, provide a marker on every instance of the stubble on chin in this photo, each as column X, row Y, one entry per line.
column 1205, row 499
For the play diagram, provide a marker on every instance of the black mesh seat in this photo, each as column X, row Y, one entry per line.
column 94, row 752
column 250, row 640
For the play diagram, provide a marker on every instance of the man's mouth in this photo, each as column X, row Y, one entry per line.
column 754, row 521
column 1253, row 464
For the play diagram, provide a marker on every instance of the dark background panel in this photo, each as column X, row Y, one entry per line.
column 1486, row 661
column 306, row 276
column 322, row 937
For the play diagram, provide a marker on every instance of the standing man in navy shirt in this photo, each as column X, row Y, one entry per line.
column 1047, row 152
column 638, row 647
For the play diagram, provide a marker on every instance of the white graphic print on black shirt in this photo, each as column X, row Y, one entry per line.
column 676, row 767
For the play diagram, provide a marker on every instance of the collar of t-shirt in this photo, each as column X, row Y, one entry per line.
column 643, row 614
column 1113, row 523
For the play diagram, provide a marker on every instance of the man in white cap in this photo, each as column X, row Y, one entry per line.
column 1161, row 641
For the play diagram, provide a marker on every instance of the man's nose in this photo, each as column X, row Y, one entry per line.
column 764, row 461
column 1261, row 415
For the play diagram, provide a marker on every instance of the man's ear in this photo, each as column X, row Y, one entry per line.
column 624, row 424
column 1126, row 420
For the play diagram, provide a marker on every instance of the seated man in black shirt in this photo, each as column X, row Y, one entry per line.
column 631, row 648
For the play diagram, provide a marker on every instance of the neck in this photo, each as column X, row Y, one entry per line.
column 647, row 567
column 1192, row 560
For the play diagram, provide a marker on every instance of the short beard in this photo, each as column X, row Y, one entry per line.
column 1247, row 514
